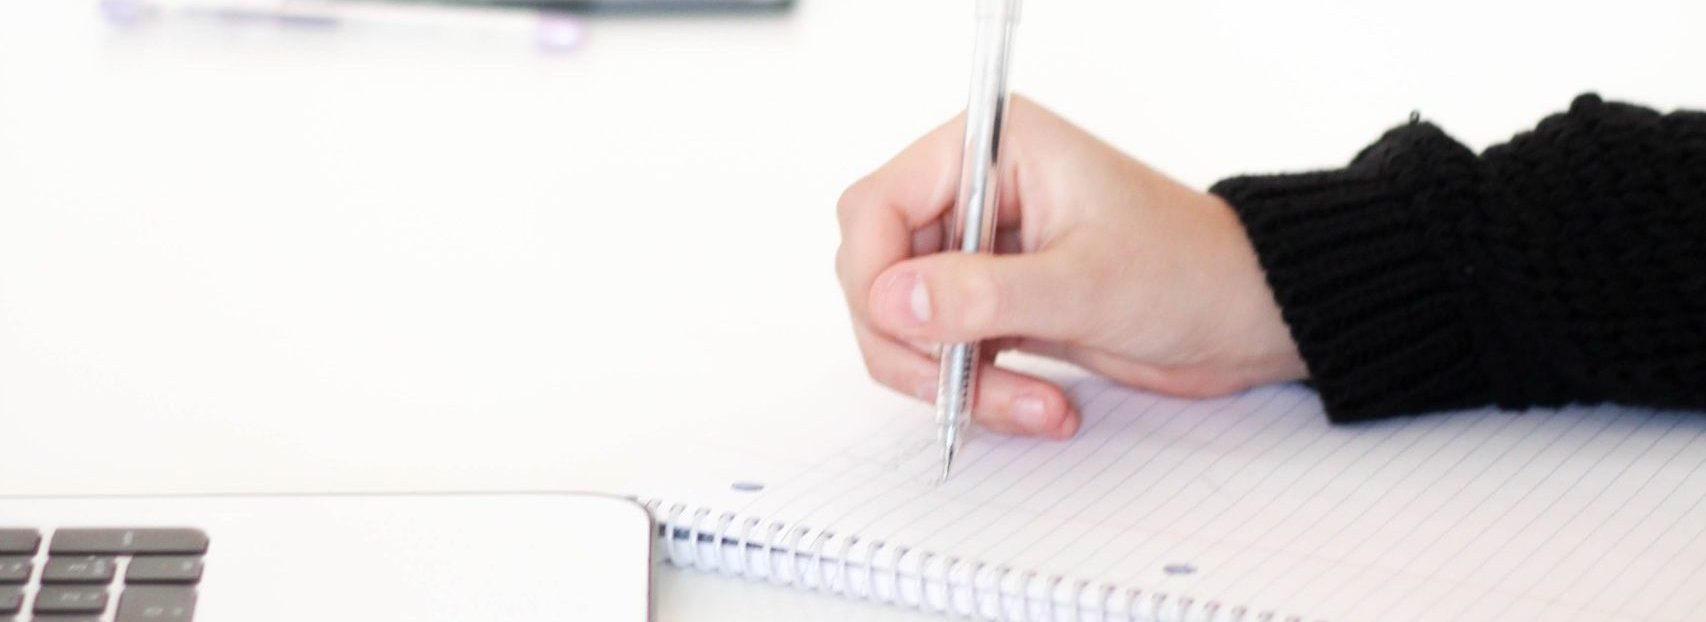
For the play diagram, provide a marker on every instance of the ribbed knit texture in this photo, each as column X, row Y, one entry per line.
column 1567, row 265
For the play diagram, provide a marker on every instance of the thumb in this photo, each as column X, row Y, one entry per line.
column 958, row 297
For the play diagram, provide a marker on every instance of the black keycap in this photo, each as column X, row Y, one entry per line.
column 65, row 618
column 128, row 542
column 19, row 541
column 11, row 600
column 71, row 600
column 156, row 604
column 15, row 570
column 78, row 570
column 163, row 569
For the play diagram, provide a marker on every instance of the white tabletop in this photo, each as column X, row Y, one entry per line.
column 249, row 260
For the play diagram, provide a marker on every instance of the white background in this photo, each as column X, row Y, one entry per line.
column 249, row 260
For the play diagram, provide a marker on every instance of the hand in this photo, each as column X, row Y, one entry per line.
column 1120, row 270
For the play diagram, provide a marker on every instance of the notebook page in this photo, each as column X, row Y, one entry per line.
column 1255, row 500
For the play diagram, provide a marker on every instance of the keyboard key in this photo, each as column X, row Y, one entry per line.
column 128, row 542
column 156, row 604
column 11, row 600
column 78, row 570
column 82, row 618
column 15, row 570
column 162, row 569
column 19, row 541
column 71, row 600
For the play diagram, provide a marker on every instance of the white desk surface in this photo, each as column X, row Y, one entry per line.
column 243, row 260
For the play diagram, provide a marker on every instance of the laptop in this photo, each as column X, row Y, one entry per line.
column 426, row 557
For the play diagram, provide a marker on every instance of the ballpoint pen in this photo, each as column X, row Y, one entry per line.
column 973, row 228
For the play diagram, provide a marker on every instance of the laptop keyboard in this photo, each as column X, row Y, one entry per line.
column 100, row 575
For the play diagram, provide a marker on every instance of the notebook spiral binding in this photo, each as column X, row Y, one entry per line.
column 770, row 550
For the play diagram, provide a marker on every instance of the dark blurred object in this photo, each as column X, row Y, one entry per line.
column 646, row 6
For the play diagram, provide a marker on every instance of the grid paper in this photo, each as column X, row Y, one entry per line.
column 1255, row 500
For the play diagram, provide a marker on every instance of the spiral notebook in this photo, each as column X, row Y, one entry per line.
column 1249, row 507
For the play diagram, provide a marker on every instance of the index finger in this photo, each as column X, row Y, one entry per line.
column 879, row 212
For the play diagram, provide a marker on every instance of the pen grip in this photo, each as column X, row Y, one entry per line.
column 958, row 384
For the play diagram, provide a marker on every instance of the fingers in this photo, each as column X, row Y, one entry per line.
column 957, row 297
column 880, row 213
column 1008, row 402
column 897, row 211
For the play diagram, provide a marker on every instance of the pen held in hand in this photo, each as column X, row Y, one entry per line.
column 973, row 227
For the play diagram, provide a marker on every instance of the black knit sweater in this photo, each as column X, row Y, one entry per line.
column 1567, row 265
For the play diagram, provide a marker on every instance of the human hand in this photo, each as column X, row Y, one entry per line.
column 1104, row 263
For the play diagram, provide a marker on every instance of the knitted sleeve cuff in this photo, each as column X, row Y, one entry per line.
column 1363, row 265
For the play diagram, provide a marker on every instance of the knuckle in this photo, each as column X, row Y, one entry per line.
column 847, row 205
column 885, row 373
column 978, row 304
column 873, row 365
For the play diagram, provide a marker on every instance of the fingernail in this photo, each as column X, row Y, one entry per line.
column 1031, row 412
column 918, row 299
column 1068, row 426
column 908, row 288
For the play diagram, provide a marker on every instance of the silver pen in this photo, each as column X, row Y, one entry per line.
column 973, row 228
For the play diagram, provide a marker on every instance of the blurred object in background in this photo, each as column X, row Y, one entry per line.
column 547, row 25
column 646, row 6
column 548, row 31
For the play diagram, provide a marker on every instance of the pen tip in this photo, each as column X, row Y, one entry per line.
column 947, row 461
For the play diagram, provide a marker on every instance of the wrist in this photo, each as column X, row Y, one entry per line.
column 1362, row 263
column 1257, row 344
